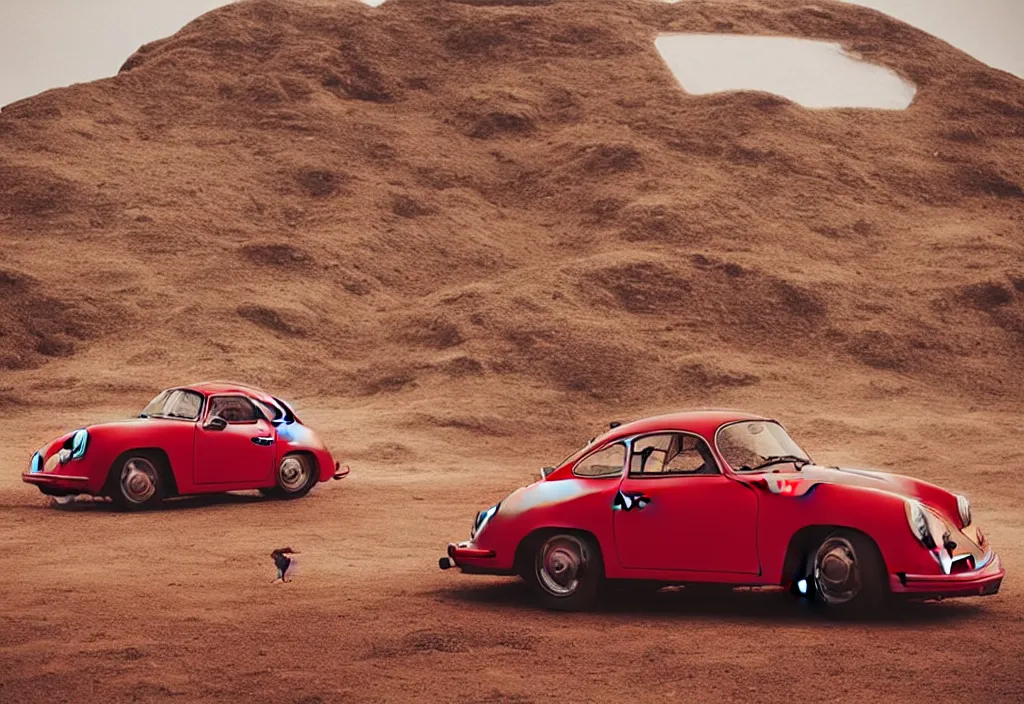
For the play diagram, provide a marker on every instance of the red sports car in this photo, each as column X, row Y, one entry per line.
column 198, row 439
column 715, row 499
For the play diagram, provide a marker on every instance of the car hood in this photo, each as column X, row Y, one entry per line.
column 134, row 424
column 872, row 479
column 113, row 431
column 930, row 495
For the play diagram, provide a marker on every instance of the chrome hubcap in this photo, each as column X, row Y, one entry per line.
column 836, row 573
column 560, row 562
column 293, row 473
column 138, row 480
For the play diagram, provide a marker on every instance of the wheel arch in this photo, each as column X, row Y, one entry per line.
column 163, row 462
column 309, row 454
column 808, row 538
column 531, row 539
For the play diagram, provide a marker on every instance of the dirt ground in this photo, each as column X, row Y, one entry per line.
column 177, row 604
column 462, row 236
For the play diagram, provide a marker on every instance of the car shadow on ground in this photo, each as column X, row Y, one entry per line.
column 762, row 604
column 99, row 505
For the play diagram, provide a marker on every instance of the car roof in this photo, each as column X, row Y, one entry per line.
column 210, row 388
column 701, row 422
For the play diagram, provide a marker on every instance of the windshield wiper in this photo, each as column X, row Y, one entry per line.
column 778, row 459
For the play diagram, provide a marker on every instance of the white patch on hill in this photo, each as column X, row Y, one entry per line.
column 814, row 74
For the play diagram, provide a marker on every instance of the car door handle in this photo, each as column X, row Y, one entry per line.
column 262, row 440
column 630, row 501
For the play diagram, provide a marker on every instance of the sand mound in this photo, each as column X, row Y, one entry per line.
column 277, row 255
column 31, row 192
column 275, row 320
column 468, row 200
column 35, row 326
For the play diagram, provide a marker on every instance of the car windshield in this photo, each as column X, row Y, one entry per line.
column 752, row 445
column 174, row 403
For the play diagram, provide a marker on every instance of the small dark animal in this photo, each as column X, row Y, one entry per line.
column 283, row 561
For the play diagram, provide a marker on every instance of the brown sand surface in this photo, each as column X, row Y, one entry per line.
column 462, row 236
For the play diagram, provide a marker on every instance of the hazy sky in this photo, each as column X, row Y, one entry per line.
column 50, row 43
column 991, row 31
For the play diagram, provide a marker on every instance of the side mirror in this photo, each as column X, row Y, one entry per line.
column 215, row 423
column 545, row 471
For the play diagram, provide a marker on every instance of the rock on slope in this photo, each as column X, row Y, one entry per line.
column 459, row 202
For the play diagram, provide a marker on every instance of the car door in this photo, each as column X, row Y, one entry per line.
column 234, row 444
column 675, row 510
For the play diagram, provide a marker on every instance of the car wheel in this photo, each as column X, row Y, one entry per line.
column 296, row 475
column 566, row 571
column 135, row 482
column 846, row 574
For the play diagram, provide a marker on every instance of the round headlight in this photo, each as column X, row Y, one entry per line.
column 481, row 520
column 964, row 507
column 918, row 521
column 74, row 447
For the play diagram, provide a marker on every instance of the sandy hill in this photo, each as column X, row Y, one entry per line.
column 470, row 212
column 460, row 235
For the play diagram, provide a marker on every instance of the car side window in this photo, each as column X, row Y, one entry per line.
column 649, row 454
column 270, row 412
column 671, row 454
column 233, row 409
column 603, row 463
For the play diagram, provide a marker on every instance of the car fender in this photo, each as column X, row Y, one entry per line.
column 878, row 514
column 576, row 503
column 174, row 439
column 297, row 438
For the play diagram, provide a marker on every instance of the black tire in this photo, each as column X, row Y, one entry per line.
column 295, row 476
column 137, row 481
column 846, row 575
column 565, row 569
